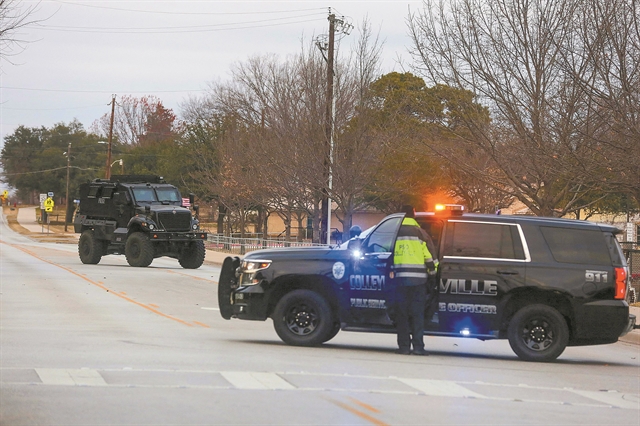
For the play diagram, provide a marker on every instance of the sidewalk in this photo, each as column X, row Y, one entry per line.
column 27, row 219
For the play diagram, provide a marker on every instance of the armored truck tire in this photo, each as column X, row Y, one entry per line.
column 303, row 318
column 89, row 248
column 538, row 333
column 138, row 250
column 192, row 256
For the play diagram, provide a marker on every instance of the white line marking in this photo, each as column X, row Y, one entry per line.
column 441, row 388
column 70, row 377
column 255, row 380
column 210, row 309
column 614, row 399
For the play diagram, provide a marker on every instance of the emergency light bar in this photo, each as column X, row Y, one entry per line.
column 453, row 209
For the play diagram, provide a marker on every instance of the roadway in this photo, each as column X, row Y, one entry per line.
column 110, row 344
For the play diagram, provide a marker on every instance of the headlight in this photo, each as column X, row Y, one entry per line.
column 255, row 265
column 194, row 226
column 250, row 269
column 152, row 226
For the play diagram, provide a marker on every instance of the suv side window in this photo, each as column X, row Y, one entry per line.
column 483, row 240
column 382, row 238
column 568, row 245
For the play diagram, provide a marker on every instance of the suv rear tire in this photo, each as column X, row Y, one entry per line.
column 192, row 256
column 303, row 318
column 89, row 248
column 538, row 333
column 138, row 250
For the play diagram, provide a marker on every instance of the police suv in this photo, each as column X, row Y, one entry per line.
column 542, row 283
column 140, row 216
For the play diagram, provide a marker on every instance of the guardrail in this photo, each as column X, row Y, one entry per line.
column 245, row 245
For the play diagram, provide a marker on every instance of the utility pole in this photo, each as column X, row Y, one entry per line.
column 113, row 109
column 335, row 25
column 68, row 166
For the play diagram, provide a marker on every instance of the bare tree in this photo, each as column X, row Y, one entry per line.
column 138, row 121
column 14, row 15
column 608, row 43
column 509, row 53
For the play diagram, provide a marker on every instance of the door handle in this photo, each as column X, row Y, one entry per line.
column 507, row 272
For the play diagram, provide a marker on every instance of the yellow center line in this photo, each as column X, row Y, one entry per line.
column 364, row 405
column 360, row 414
column 201, row 324
column 100, row 285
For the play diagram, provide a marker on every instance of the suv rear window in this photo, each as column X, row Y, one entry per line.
column 581, row 246
column 483, row 240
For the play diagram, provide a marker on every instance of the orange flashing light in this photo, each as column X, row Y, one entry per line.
column 452, row 209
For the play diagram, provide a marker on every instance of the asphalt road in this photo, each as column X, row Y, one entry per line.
column 109, row 344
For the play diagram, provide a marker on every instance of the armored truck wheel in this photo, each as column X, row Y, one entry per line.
column 138, row 250
column 192, row 256
column 89, row 248
column 303, row 318
column 538, row 333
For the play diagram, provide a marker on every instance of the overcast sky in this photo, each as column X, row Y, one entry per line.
column 83, row 51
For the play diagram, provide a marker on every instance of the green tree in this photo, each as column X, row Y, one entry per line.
column 34, row 160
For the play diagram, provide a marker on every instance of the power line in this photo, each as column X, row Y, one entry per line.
column 97, row 91
column 172, row 30
column 186, row 13
column 51, row 109
column 46, row 171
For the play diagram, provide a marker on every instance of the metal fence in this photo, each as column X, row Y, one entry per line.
column 632, row 253
column 245, row 245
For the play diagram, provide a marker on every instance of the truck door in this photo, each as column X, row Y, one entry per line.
column 369, row 280
column 480, row 262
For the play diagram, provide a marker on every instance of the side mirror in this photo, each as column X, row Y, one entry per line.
column 196, row 208
column 354, row 246
column 192, row 198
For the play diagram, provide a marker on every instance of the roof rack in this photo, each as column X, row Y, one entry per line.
column 137, row 179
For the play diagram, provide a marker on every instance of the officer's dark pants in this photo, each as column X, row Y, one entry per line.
column 409, row 315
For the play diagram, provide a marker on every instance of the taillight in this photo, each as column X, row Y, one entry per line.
column 621, row 283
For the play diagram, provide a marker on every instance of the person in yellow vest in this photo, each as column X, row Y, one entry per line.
column 412, row 266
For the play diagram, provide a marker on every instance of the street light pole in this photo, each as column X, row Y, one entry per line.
column 67, row 196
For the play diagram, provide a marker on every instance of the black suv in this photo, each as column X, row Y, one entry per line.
column 541, row 283
column 141, row 217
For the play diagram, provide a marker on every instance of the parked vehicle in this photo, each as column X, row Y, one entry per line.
column 542, row 283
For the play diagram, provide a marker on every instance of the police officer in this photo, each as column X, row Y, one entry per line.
column 412, row 265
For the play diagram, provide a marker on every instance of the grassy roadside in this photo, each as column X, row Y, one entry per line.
column 56, row 235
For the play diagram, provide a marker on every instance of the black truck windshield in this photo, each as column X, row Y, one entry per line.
column 168, row 194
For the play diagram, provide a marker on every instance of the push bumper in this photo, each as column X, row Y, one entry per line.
column 177, row 236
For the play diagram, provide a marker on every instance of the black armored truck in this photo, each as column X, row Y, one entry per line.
column 142, row 217
column 541, row 283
